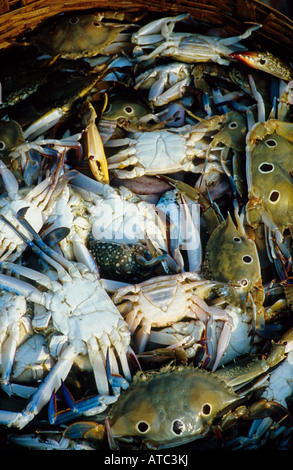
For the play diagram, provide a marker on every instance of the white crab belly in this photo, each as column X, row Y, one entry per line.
column 32, row 360
column 163, row 151
column 83, row 310
column 163, row 305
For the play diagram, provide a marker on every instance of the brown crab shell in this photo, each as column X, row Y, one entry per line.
column 77, row 36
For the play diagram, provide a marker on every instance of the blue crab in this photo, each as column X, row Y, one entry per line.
column 72, row 307
column 180, row 404
column 186, row 47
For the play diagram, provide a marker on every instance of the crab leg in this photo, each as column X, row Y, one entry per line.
column 43, row 393
column 223, row 343
column 160, row 98
column 10, row 338
column 257, row 96
column 148, row 33
column 234, row 39
column 42, row 125
column 59, row 267
column 191, row 233
column 88, row 406
column 9, row 180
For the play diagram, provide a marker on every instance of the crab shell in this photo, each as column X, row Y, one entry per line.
column 78, row 36
column 170, row 407
column 11, row 136
column 232, row 260
column 233, row 131
column 159, row 152
column 128, row 261
column 269, row 174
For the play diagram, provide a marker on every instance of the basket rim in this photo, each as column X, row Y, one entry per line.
column 276, row 27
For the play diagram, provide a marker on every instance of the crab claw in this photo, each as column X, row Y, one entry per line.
column 94, row 149
column 266, row 62
column 89, row 430
column 88, row 406
column 115, row 380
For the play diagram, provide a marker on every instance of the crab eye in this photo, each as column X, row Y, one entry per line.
column 177, row 427
column 266, row 167
column 244, row 282
column 271, row 143
column 74, row 20
column 274, row 196
column 247, row 259
column 142, row 427
column 128, row 109
column 2, row 145
column 233, row 125
column 236, row 239
column 206, row 409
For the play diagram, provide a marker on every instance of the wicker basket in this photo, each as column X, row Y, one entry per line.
column 17, row 16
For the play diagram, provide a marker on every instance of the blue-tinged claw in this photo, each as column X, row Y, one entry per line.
column 52, row 409
column 57, row 235
column 87, row 406
column 115, row 380
column 38, row 245
column 206, row 103
column 68, row 397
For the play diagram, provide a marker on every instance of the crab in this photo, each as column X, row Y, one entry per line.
column 82, row 35
column 118, row 215
column 278, row 388
column 236, row 268
column 268, row 149
column 159, row 152
column 186, row 47
column 77, row 311
column 232, row 130
column 164, row 300
column 189, row 335
column 165, row 83
column 38, row 201
column 207, row 404
column 22, row 151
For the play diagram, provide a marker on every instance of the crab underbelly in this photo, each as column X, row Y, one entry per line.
column 166, row 305
column 83, row 310
column 163, row 153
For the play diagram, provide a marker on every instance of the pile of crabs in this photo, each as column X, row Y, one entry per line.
column 146, row 236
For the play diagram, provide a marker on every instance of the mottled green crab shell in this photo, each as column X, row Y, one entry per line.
column 78, row 36
column 231, row 258
column 170, row 407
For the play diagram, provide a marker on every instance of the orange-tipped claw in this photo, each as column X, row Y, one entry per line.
column 94, row 149
column 266, row 62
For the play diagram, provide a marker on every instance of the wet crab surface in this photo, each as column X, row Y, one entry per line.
column 158, row 164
